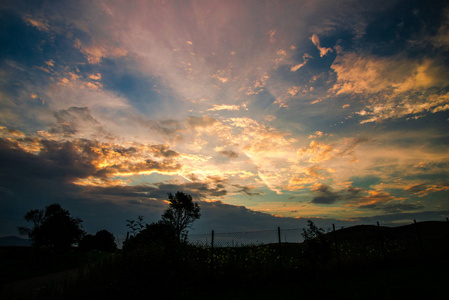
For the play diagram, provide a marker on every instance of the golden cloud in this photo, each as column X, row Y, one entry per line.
column 365, row 74
column 391, row 85
column 316, row 152
column 227, row 107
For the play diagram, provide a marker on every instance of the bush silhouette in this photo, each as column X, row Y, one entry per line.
column 103, row 241
column 317, row 247
column 158, row 234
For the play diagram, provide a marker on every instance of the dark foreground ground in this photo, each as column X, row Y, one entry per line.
column 419, row 279
column 371, row 263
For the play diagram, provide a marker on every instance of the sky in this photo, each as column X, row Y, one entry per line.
column 268, row 113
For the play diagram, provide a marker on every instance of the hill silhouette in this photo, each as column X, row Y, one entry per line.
column 14, row 241
column 428, row 230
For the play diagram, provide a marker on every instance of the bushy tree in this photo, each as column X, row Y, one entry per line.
column 103, row 241
column 317, row 245
column 181, row 213
column 158, row 234
column 53, row 227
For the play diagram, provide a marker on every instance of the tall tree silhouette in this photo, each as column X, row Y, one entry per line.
column 181, row 213
column 53, row 227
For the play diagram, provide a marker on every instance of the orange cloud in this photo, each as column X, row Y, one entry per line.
column 40, row 24
column 377, row 198
column 424, row 189
column 317, row 134
column 228, row 107
column 364, row 74
column 317, row 152
column 391, row 83
column 323, row 50
column 95, row 53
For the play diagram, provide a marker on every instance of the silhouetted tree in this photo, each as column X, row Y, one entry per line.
column 317, row 246
column 53, row 227
column 103, row 241
column 36, row 216
column 87, row 243
column 155, row 234
column 181, row 213
column 136, row 226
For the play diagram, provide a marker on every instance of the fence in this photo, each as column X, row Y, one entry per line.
column 346, row 246
column 250, row 238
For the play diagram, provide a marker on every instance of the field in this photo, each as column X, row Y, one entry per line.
column 360, row 262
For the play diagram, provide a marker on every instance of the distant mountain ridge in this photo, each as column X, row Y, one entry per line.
column 14, row 241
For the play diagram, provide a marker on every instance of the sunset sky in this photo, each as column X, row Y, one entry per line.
column 268, row 113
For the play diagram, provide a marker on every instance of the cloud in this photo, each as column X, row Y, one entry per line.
column 324, row 195
column 323, row 50
column 229, row 153
column 95, row 76
column 40, row 24
column 424, row 189
column 363, row 199
column 215, row 214
column 358, row 74
column 391, row 84
column 72, row 90
column 28, row 173
column 163, row 151
column 399, row 208
column 227, row 107
column 198, row 122
column 305, row 58
column 95, row 54
column 350, row 144
column 215, row 101
column 441, row 39
column 377, row 200
column 247, row 190
column 311, row 176
column 82, row 161
column 316, row 152
column 73, row 120
column 317, row 134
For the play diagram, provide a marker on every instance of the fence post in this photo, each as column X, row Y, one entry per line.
column 280, row 251
column 337, row 251
column 212, row 260
column 421, row 246
column 381, row 240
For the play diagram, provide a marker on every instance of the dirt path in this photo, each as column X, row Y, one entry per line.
column 51, row 284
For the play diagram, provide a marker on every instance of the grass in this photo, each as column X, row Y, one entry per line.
column 389, row 265
column 18, row 263
column 26, row 273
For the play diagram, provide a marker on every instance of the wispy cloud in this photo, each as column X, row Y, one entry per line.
column 234, row 107
column 297, row 109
